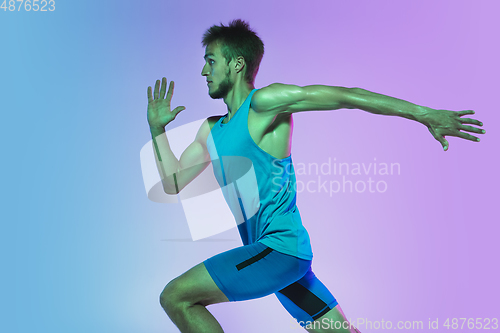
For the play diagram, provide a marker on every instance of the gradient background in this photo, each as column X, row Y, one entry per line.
column 84, row 250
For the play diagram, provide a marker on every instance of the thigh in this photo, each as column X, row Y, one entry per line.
column 194, row 286
column 307, row 299
column 254, row 271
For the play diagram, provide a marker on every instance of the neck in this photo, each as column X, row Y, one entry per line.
column 237, row 96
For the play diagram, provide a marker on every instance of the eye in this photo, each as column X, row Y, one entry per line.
column 211, row 62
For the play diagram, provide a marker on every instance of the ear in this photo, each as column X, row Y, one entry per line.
column 239, row 64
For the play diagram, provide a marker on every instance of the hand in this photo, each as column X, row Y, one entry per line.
column 443, row 123
column 159, row 114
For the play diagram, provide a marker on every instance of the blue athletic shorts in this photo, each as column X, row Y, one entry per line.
column 255, row 270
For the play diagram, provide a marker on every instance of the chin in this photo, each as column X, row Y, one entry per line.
column 222, row 90
column 215, row 94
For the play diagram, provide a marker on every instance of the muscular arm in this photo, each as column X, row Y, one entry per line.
column 282, row 98
column 176, row 174
column 279, row 98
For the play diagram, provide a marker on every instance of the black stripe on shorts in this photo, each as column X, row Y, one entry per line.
column 255, row 258
column 306, row 300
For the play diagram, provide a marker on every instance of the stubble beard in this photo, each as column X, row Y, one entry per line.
column 224, row 87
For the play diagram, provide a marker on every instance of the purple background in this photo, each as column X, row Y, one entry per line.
column 88, row 252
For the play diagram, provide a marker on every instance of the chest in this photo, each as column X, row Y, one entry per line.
column 272, row 134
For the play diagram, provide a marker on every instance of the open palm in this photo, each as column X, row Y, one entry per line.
column 159, row 113
column 443, row 123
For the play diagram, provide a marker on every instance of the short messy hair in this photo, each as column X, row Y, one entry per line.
column 237, row 39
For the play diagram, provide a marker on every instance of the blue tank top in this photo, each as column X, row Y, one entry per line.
column 259, row 188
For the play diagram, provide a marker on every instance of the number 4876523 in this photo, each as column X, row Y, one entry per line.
column 28, row 5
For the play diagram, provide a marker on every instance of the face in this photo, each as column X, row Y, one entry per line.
column 216, row 71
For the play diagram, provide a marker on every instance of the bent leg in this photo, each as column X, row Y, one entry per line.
column 313, row 306
column 185, row 298
column 244, row 273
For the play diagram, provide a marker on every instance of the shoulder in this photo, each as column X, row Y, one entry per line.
column 267, row 92
column 212, row 120
column 275, row 97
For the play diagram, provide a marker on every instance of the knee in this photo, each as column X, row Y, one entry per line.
column 170, row 296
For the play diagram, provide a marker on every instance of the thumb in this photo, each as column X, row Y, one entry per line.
column 177, row 110
column 440, row 138
column 445, row 144
column 443, row 141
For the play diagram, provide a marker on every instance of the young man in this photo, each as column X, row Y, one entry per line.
column 255, row 135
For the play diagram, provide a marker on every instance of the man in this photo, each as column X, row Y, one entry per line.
column 276, row 256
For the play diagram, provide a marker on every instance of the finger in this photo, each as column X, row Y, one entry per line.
column 444, row 143
column 472, row 129
column 150, row 96
column 177, row 110
column 170, row 91
column 163, row 87
column 463, row 113
column 440, row 138
column 471, row 121
column 466, row 136
column 157, row 88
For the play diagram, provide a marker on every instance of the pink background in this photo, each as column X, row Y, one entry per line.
column 92, row 248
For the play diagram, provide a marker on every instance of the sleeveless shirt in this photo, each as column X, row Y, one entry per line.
column 259, row 189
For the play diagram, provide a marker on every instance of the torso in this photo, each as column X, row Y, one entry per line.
column 271, row 134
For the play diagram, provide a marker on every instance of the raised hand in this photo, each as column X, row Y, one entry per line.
column 443, row 123
column 159, row 113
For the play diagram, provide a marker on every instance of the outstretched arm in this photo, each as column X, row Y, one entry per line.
column 282, row 98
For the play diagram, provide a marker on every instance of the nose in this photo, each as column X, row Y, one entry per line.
column 204, row 71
